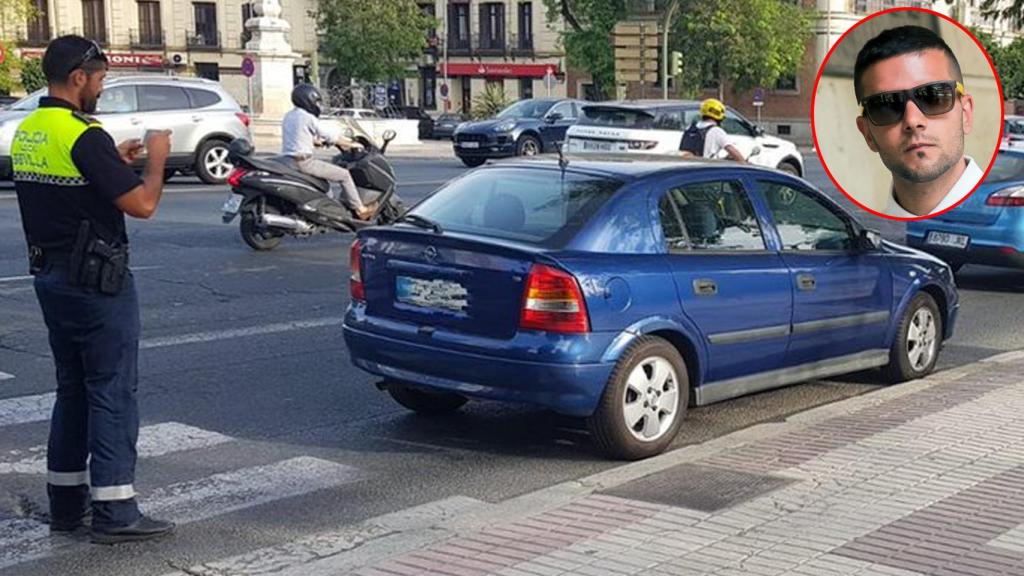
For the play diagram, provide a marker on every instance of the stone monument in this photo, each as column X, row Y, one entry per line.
column 274, row 57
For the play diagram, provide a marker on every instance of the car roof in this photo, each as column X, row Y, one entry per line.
column 644, row 104
column 161, row 79
column 628, row 166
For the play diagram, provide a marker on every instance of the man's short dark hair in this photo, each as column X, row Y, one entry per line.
column 896, row 42
column 64, row 55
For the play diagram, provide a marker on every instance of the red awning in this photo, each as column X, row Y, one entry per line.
column 503, row 70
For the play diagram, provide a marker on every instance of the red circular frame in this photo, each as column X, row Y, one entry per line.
column 814, row 98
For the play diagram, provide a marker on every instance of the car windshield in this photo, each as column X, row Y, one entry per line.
column 1006, row 168
column 30, row 102
column 521, row 204
column 527, row 109
column 618, row 117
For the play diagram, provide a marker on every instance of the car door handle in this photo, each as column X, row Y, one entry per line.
column 705, row 287
column 197, row 118
column 136, row 121
column 806, row 282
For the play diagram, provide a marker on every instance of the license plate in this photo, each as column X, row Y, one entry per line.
column 233, row 203
column 437, row 294
column 598, row 146
column 947, row 239
column 469, row 144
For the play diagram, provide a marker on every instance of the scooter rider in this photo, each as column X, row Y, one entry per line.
column 301, row 129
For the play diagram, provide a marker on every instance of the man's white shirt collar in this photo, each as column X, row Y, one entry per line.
column 968, row 180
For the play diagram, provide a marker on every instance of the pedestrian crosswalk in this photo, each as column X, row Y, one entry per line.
column 218, row 489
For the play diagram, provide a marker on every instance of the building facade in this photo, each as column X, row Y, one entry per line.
column 201, row 38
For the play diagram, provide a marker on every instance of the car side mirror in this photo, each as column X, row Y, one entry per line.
column 389, row 135
column 553, row 117
column 869, row 240
column 758, row 131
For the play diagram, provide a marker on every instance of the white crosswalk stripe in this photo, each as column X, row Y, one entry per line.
column 25, row 409
column 24, row 540
column 6, row 376
column 154, row 440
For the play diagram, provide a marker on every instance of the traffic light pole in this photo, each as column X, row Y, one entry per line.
column 664, row 48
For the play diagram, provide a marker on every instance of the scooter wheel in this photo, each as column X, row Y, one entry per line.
column 255, row 236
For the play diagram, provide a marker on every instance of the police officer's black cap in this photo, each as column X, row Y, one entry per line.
column 67, row 53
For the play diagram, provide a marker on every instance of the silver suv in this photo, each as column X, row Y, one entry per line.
column 204, row 119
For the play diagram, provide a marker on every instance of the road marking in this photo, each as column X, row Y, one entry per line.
column 154, row 440
column 6, row 376
column 25, row 409
column 215, row 335
column 23, row 540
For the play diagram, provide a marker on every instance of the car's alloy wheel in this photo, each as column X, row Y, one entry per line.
column 915, row 349
column 213, row 166
column 922, row 342
column 529, row 146
column 644, row 402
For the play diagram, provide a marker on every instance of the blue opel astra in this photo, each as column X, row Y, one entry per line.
column 625, row 292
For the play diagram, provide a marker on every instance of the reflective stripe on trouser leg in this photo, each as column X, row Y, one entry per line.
column 67, row 478
column 112, row 493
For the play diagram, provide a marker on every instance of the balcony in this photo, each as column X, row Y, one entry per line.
column 146, row 38
column 521, row 45
column 490, row 45
column 203, row 41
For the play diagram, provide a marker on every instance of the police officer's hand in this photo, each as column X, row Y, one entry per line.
column 130, row 150
column 158, row 143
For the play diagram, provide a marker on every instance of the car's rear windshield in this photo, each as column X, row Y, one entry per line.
column 1007, row 167
column 617, row 117
column 534, row 206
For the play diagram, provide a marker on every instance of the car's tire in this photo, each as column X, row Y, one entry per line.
column 915, row 349
column 528, row 146
column 789, row 167
column 472, row 162
column 212, row 165
column 660, row 402
column 257, row 238
column 425, row 402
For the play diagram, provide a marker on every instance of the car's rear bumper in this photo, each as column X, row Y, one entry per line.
column 572, row 388
column 989, row 245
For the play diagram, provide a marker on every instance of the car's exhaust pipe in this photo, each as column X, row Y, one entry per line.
column 286, row 222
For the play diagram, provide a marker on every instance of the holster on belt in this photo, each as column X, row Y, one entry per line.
column 96, row 263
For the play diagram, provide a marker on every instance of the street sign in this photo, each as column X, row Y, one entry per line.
column 380, row 97
column 444, row 90
column 248, row 67
column 758, row 96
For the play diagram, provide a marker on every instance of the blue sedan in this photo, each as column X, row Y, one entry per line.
column 988, row 228
column 625, row 292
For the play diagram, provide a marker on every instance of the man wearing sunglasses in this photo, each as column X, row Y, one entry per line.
column 914, row 114
column 74, row 187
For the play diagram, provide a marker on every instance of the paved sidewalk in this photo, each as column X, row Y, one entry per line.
column 923, row 478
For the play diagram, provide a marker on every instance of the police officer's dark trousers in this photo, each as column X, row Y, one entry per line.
column 94, row 339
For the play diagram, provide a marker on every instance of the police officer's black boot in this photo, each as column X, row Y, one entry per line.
column 110, row 526
column 69, row 508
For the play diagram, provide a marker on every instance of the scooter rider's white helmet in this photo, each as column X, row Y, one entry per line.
column 307, row 97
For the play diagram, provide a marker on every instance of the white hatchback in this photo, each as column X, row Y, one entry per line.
column 656, row 127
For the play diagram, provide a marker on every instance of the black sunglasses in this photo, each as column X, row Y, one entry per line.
column 887, row 108
column 93, row 53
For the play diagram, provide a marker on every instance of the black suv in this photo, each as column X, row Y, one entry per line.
column 525, row 128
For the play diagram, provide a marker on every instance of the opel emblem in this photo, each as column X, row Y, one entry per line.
column 430, row 253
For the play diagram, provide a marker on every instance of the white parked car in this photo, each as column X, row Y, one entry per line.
column 656, row 127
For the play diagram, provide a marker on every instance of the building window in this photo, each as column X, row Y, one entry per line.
column 458, row 36
column 39, row 25
column 492, row 26
column 787, row 83
column 783, row 130
column 525, row 88
column 208, row 70
column 206, row 33
column 150, row 32
column 431, row 11
column 247, row 13
column 526, row 25
column 467, row 95
column 94, row 21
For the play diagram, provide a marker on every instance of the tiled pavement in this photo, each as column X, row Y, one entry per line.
column 926, row 478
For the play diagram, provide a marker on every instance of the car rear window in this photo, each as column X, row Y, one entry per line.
column 202, row 98
column 1007, row 167
column 534, row 206
column 617, row 117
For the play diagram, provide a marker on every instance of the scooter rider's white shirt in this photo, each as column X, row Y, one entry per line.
column 968, row 180
column 299, row 132
column 715, row 140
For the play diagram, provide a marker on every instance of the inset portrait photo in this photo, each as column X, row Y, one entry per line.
column 907, row 114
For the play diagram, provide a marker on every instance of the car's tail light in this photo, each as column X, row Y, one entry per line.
column 1013, row 196
column 355, row 265
column 243, row 118
column 235, row 178
column 553, row 302
column 641, row 144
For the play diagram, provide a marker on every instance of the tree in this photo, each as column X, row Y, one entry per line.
column 8, row 70
column 372, row 41
column 1012, row 12
column 587, row 37
column 747, row 43
column 1010, row 65
column 32, row 77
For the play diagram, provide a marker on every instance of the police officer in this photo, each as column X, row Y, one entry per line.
column 74, row 187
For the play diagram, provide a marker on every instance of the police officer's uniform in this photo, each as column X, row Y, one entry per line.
column 67, row 170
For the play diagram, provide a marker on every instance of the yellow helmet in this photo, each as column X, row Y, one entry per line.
column 713, row 109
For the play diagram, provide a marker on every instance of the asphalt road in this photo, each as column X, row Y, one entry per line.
column 260, row 431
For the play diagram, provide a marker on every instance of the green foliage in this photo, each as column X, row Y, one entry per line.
column 32, row 77
column 587, row 36
column 1012, row 11
column 491, row 101
column 8, row 70
column 748, row 43
column 372, row 41
column 1009, row 62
